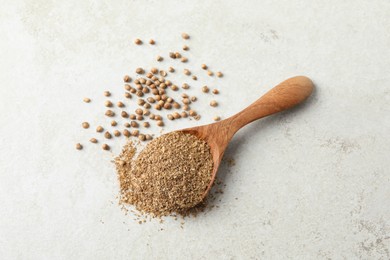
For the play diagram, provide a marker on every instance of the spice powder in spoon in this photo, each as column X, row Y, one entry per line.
column 169, row 176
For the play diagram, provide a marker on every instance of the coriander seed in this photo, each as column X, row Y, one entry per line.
column 152, row 42
column 184, row 59
column 135, row 132
column 134, row 124
column 146, row 124
column 215, row 91
column 141, row 137
column 184, row 114
column 213, row 103
column 106, row 147
column 126, row 133
column 127, row 124
column 170, row 117
column 93, row 140
column 126, row 78
column 210, row 73
column 117, row 133
column 204, row 66
column 139, row 111
column 185, row 86
column 120, row 104
column 159, row 58
column 176, row 105
column 108, row 103
column 176, row 115
column 171, row 69
column 99, row 129
column 174, row 87
column 217, row 118
column 219, row 74
column 140, row 117
column 172, row 55
column 132, row 116
column 178, row 55
column 148, row 137
column 107, row 135
column 193, row 98
column 107, row 93
column 187, row 72
column 194, row 77
column 192, row 113
column 138, row 41
column 160, row 123
column 124, row 114
column 110, row 113
column 85, row 125
column 87, row 100
column 140, row 71
column 79, row 146
column 113, row 123
column 185, row 48
column 205, row 89
column 185, row 36
column 151, row 100
column 154, row 70
column 147, row 105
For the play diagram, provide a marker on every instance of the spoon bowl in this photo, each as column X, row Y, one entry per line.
column 287, row 94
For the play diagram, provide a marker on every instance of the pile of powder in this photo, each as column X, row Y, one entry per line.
column 169, row 176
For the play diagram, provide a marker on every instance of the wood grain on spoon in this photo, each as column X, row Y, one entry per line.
column 286, row 95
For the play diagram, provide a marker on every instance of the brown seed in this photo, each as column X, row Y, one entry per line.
column 107, row 93
column 157, row 106
column 135, row 132
column 192, row 113
column 154, row 78
column 167, row 106
column 176, row 105
column 158, row 117
column 154, row 70
column 161, row 103
column 87, row 100
column 152, row 42
column 148, row 137
column 186, row 107
column 139, row 117
column 213, row 103
column 126, row 78
column 146, row 124
column 139, row 71
column 193, row 98
column 132, row 116
column 186, row 101
column 113, row 123
column 127, row 124
column 157, row 97
column 110, row 113
column 93, row 140
column 141, row 137
column 185, row 48
column 99, row 129
column 184, row 114
column 205, row 89
column 149, row 75
column 204, row 66
column 197, row 117
column 170, row 117
column 174, row 87
column 148, row 82
column 215, row 91
column 140, row 93
column 159, row 58
column 140, row 101
column 139, row 111
column 185, row 86
column 187, row 72
column 147, row 105
column 142, row 80
column 127, row 87
column 176, row 115
column 136, row 81
column 126, row 133
column 151, row 100
column 172, row 55
column 163, row 73
column 185, row 36
column 163, row 85
column 146, row 112
column 134, row 124
column 85, row 125
column 210, row 73
column 107, row 135
column 133, row 90
column 160, row 123
column 106, row 147
column 152, row 116
column 178, row 55
column 124, row 114
column 184, row 95
column 168, row 83
column 171, row 69
column 194, row 77
column 217, row 118
column 117, row 133
column 79, row 146
column 184, row 59
column 138, row 41
column 108, row 103
column 145, row 90
column 219, row 74
column 120, row 104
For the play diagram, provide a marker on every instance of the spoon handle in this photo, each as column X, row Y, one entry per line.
column 286, row 95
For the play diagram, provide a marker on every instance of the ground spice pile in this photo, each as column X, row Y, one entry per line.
column 169, row 176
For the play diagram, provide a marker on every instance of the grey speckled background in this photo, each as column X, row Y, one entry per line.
column 312, row 183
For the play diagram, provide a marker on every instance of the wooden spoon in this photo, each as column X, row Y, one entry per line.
column 286, row 95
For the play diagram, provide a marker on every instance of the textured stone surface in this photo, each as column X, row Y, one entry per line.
column 312, row 183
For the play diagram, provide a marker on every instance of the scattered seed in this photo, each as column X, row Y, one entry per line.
column 132, row 116
column 154, row 70
column 146, row 112
column 140, row 93
column 157, row 106
column 186, row 107
column 160, row 123
column 176, row 105
column 126, row 133
column 107, row 135
column 163, row 73
column 106, row 147
column 159, row 58
column 192, row 113
column 158, row 117
column 172, row 55
column 140, row 117
column 167, row 106
column 135, row 132
column 142, row 137
column 117, row 133
column 152, row 116
column 205, row 89
column 87, row 100
column 186, row 101
column 204, row 66
column 197, row 117
column 171, row 69
column 127, row 124
column 147, row 105
column 148, row 137
column 185, row 86
column 219, row 74
column 185, row 48
column 174, row 87
column 210, row 73
column 170, row 117
column 113, row 123
column 187, row 72
column 108, row 103
column 184, row 59
column 127, row 78
column 93, row 140
column 184, row 114
column 193, row 98
column 176, row 115
column 140, row 101
column 120, row 104
column 215, row 91
column 139, row 111
column 79, row 146
column 110, row 113
column 99, row 129
column 178, row 55
column 85, row 125
column 139, row 71
column 142, row 80
column 217, row 118
column 134, row 124
column 152, row 42
column 185, row 36
column 213, row 103
column 138, row 41
column 124, row 114
column 194, row 77
column 146, row 124
column 107, row 93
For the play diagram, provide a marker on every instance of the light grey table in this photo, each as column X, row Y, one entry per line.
column 312, row 183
